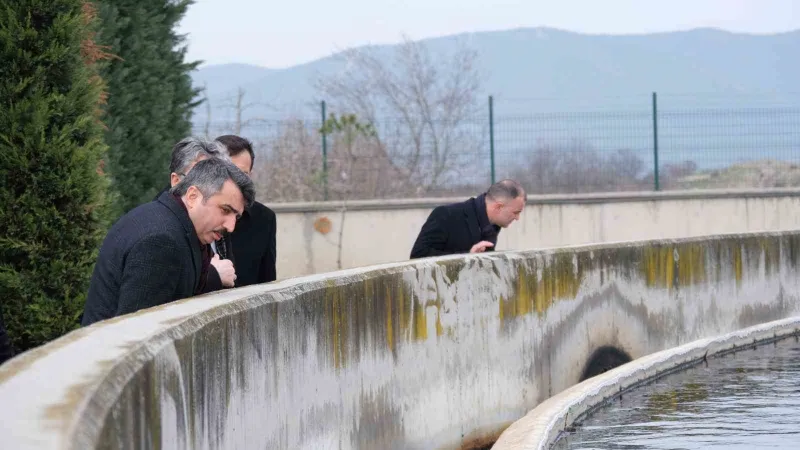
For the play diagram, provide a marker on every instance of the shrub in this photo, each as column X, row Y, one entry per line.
column 51, row 182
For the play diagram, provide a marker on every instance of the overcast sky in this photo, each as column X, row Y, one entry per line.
column 281, row 34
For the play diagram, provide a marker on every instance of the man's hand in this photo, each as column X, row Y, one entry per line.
column 481, row 247
column 227, row 274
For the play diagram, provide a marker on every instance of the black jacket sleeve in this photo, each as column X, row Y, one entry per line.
column 432, row 239
column 213, row 281
column 225, row 251
column 151, row 274
column 267, row 268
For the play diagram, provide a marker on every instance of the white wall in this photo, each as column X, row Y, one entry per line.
column 374, row 232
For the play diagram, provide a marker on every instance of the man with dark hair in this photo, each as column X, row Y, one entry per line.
column 185, row 154
column 253, row 240
column 158, row 252
column 471, row 226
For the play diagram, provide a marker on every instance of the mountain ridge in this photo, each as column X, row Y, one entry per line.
column 558, row 85
column 207, row 66
column 548, row 62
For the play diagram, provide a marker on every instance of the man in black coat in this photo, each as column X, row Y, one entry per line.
column 158, row 252
column 185, row 154
column 253, row 240
column 471, row 226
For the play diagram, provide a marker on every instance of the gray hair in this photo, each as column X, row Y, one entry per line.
column 210, row 174
column 505, row 190
column 190, row 149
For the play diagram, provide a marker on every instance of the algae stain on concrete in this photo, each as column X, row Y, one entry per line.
column 420, row 326
column 378, row 311
column 691, row 264
column 439, row 328
column 560, row 279
column 451, row 269
column 771, row 250
column 389, row 324
column 336, row 318
column 659, row 266
column 737, row 263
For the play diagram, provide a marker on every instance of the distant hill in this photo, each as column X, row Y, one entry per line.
column 764, row 173
column 549, row 63
column 547, row 71
column 219, row 80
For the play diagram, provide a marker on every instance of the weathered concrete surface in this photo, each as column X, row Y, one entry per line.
column 375, row 232
column 427, row 354
column 541, row 427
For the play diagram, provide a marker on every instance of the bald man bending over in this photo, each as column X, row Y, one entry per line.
column 471, row 226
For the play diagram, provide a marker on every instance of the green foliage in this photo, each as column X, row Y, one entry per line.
column 344, row 129
column 50, row 179
column 150, row 94
column 348, row 125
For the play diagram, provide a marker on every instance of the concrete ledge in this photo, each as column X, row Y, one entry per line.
column 323, row 237
column 543, row 425
column 604, row 197
column 441, row 353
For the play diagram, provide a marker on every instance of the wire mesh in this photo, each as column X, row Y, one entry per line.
column 550, row 145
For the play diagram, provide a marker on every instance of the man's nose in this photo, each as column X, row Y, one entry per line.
column 230, row 223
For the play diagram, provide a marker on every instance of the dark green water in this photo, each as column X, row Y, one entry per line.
column 746, row 400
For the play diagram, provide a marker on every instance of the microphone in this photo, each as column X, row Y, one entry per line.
column 222, row 248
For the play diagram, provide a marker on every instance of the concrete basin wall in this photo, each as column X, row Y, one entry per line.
column 441, row 353
column 544, row 425
column 326, row 236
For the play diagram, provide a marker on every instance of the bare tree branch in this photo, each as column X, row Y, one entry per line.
column 420, row 104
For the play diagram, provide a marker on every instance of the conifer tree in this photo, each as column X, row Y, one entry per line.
column 150, row 94
column 51, row 182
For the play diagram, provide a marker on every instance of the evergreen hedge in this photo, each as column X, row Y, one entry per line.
column 150, row 94
column 51, row 182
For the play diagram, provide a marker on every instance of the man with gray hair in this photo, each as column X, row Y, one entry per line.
column 471, row 226
column 188, row 152
column 185, row 154
column 158, row 252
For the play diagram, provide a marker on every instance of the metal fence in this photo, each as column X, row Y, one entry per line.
column 649, row 142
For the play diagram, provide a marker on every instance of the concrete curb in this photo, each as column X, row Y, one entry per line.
column 543, row 199
column 542, row 426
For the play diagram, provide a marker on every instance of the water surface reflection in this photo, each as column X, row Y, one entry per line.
column 746, row 400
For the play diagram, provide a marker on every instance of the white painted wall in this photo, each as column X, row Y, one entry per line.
column 374, row 232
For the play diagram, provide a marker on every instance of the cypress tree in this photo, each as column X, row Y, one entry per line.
column 51, row 183
column 150, row 94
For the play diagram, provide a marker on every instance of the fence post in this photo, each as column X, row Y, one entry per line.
column 324, row 155
column 491, row 134
column 656, row 185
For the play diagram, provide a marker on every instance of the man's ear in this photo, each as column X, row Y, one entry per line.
column 192, row 197
column 174, row 179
